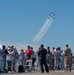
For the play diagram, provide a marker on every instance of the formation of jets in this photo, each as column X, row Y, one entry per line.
column 51, row 15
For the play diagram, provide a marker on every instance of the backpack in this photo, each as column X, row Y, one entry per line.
column 21, row 69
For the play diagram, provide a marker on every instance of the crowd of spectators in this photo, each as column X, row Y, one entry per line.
column 53, row 59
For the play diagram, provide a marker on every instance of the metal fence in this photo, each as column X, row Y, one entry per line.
column 13, row 65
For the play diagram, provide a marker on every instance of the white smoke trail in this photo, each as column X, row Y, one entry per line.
column 40, row 32
column 49, row 24
column 42, row 29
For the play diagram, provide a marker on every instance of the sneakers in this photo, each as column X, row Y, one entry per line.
column 9, row 71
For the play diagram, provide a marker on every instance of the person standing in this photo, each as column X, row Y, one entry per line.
column 53, row 57
column 15, row 56
column 22, row 57
column 9, row 59
column 3, row 53
column 42, row 58
column 28, row 53
column 49, row 58
column 33, row 56
column 67, row 58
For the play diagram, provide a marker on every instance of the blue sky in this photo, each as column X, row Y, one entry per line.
column 20, row 21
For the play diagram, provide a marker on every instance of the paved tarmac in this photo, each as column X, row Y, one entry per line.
column 38, row 73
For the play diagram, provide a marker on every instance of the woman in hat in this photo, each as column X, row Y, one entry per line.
column 22, row 57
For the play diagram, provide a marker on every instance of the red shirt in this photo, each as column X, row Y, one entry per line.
column 28, row 52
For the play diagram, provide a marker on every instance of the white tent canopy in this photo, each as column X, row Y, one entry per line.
column 18, row 45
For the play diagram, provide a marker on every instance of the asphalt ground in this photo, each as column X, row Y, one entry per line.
column 59, row 72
